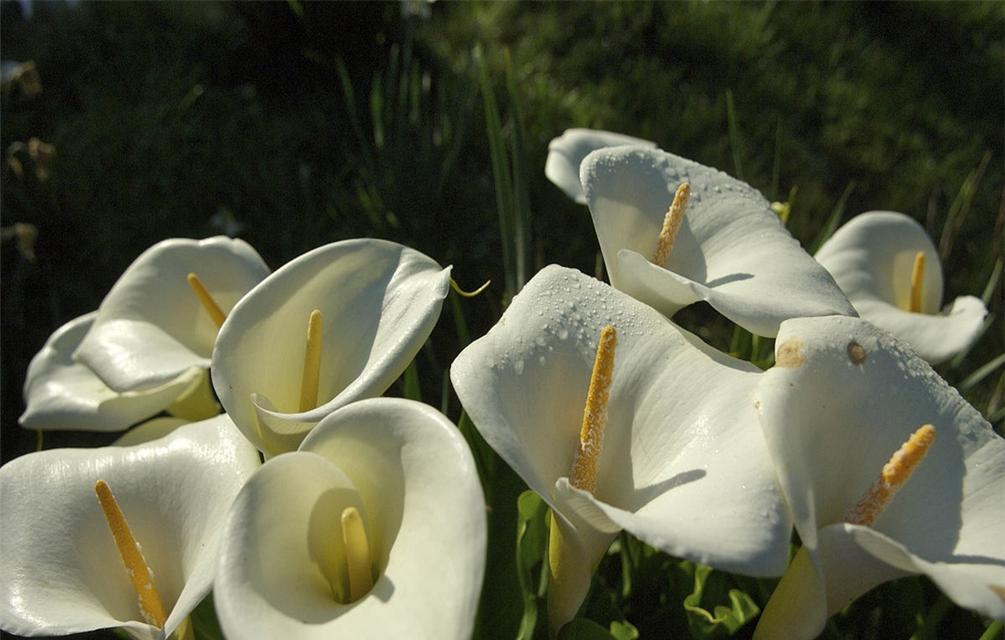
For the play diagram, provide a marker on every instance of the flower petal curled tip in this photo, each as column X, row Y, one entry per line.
column 591, row 435
column 377, row 303
column 889, row 268
column 671, row 224
column 895, row 474
column 206, row 300
column 156, row 322
column 566, row 153
column 312, row 363
column 140, row 574
column 61, row 394
column 730, row 249
column 357, row 554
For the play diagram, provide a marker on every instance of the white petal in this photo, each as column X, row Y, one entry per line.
column 843, row 398
column 732, row 251
column 851, row 560
column 821, row 582
column 975, row 582
column 60, row 572
column 871, row 259
column 413, row 472
column 149, row 431
column 63, row 394
column 832, row 421
column 151, row 327
column 681, row 421
column 379, row 302
column 566, row 153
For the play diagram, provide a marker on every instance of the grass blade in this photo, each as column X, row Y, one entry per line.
column 734, row 134
column 501, row 175
column 834, row 220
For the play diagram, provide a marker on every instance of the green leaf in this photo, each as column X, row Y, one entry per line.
column 714, row 609
column 624, row 630
column 531, row 541
column 583, row 629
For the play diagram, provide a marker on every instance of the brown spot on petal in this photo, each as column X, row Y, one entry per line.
column 790, row 354
column 999, row 591
column 856, row 353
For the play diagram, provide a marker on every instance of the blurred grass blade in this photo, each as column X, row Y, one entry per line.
column 521, row 192
column 975, row 378
column 501, row 175
column 834, row 220
column 460, row 323
column 412, row 391
column 445, row 392
column 776, row 163
column 734, row 134
column 741, row 345
column 960, row 207
column 989, row 288
column 349, row 95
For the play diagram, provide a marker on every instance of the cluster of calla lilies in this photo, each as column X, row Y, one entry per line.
column 367, row 518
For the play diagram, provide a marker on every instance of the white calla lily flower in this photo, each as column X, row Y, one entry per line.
column 60, row 565
column 674, row 232
column 377, row 302
column 567, row 151
column 63, row 394
column 152, row 327
column 287, row 559
column 682, row 466
column 873, row 259
column 839, row 408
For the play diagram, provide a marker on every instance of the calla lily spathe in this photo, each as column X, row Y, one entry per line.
column 731, row 250
column 60, row 571
column 871, row 259
column 378, row 301
column 63, row 394
column 151, row 328
column 410, row 474
column 842, row 399
column 567, row 151
column 683, row 464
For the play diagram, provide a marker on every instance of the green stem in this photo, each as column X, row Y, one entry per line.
column 930, row 624
column 993, row 631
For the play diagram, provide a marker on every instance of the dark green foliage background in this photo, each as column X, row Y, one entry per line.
column 309, row 123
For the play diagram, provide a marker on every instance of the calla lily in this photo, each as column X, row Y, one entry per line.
column 682, row 466
column 60, row 565
column 63, row 394
column 289, row 556
column 152, row 327
column 674, row 232
column 377, row 302
column 567, row 151
column 842, row 399
column 873, row 258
